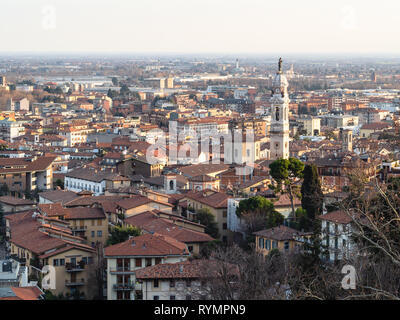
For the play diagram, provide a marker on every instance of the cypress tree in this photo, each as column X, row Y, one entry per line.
column 311, row 194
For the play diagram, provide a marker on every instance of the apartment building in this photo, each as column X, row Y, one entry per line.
column 179, row 228
column 125, row 258
column 93, row 180
column 10, row 129
column 74, row 135
column 36, row 241
column 216, row 202
column 26, row 174
column 336, row 231
column 173, row 281
column 89, row 223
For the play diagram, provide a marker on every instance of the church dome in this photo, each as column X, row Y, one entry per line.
column 280, row 81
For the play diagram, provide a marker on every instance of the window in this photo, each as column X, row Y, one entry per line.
column 56, row 262
column 274, row 244
column 93, row 234
column 62, row 262
column 99, row 233
column 138, row 262
column 158, row 261
column 188, row 283
column 268, row 244
column 286, row 245
column 172, row 283
column 260, row 243
column 190, row 248
column 155, row 284
column 224, row 226
column 99, row 222
column 156, row 298
column 224, row 214
column 148, row 262
column 172, row 298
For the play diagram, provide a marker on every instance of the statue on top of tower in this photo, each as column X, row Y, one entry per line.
column 280, row 65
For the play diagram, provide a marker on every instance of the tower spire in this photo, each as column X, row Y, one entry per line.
column 280, row 65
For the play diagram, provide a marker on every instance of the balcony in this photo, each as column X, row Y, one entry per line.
column 79, row 228
column 15, row 257
column 121, row 270
column 75, row 267
column 130, row 285
column 76, row 282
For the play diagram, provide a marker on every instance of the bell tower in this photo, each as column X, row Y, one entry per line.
column 279, row 131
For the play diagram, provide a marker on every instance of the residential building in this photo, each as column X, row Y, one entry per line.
column 281, row 238
column 336, row 234
column 125, row 258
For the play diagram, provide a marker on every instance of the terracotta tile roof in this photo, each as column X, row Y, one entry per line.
column 338, row 216
column 52, row 209
column 25, row 164
column 133, row 202
column 214, row 199
column 88, row 201
column 25, row 233
column 280, row 233
column 150, row 222
column 62, row 196
column 148, row 245
column 68, row 247
column 284, row 201
column 375, row 126
column 203, row 178
column 201, row 169
column 80, row 213
column 90, row 174
column 179, row 270
column 15, row 201
column 193, row 269
column 27, row 293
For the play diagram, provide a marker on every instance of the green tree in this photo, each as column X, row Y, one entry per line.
column 286, row 172
column 114, row 81
column 59, row 183
column 311, row 195
column 124, row 91
column 4, row 190
column 257, row 214
column 121, row 234
column 206, row 218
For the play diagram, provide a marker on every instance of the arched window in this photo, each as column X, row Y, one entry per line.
column 171, row 185
column 277, row 113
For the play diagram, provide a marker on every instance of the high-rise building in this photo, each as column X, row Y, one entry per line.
column 279, row 130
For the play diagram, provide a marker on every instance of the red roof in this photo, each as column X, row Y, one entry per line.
column 148, row 245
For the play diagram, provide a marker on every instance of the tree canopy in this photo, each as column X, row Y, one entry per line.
column 121, row 234
column 286, row 172
column 206, row 218
column 311, row 195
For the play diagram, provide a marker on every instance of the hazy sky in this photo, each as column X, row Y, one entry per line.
column 201, row 26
